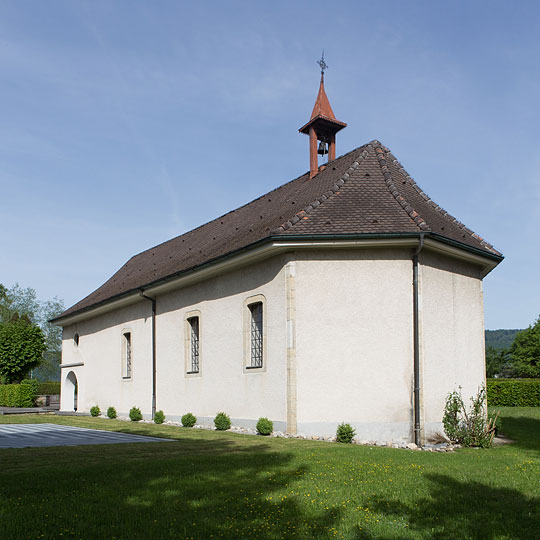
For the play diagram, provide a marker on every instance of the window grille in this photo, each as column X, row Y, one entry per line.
column 256, row 334
column 127, row 355
column 194, row 344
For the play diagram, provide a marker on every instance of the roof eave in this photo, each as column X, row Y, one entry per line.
column 272, row 245
column 332, row 123
column 485, row 259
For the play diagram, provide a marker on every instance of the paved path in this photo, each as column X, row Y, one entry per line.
column 33, row 435
column 26, row 410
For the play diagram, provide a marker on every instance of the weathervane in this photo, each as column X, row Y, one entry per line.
column 322, row 63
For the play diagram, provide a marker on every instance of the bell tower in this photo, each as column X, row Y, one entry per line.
column 321, row 127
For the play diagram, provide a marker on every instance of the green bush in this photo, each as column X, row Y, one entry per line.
column 111, row 412
column 9, row 394
column 345, row 433
column 27, row 393
column 95, row 410
column 513, row 392
column 189, row 420
column 159, row 417
column 265, row 426
column 49, row 388
column 135, row 414
column 473, row 427
column 19, row 395
column 451, row 418
column 222, row 421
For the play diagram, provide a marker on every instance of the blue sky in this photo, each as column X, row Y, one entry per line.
column 127, row 123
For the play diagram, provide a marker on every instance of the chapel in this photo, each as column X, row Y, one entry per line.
column 344, row 295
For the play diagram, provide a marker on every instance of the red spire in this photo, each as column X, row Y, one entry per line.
column 322, row 105
column 322, row 126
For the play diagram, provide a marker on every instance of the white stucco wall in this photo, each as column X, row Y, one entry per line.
column 223, row 384
column 339, row 319
column 452, row 341
column 354, row 342
column 100, row 349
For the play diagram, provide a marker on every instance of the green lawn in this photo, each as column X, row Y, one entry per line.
column 222, row 485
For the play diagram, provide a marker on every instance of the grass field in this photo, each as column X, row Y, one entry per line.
column 223, row 485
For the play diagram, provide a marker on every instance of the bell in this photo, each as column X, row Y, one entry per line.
column 322, row 149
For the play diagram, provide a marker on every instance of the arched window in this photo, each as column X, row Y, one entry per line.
column 255, row 333
column 127, row 354
column 192, row 340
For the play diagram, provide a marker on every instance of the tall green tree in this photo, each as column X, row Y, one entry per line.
column 5, row 302
column 525, row 351
column 24, row 302
column 49, row 370
column 22, row 345
column 499, row 363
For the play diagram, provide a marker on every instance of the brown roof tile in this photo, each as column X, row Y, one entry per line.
column 366, row 191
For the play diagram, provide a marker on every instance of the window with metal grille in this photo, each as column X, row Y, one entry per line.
column 194, row 344
column 256, row 335
column 127, row 354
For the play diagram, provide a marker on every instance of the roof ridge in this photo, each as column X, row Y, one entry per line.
column 380, row 151
column 328, row 193
column 437, row 207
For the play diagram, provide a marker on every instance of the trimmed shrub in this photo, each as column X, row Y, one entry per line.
column 95, row 410
column 345, row 433
column 473, row 427
column 49, row 388
column 19, row 395
column 513, row 392
column 189, row 420
column 9, row 394
column 111, row 412
column 265, row 426
column 222, row 421
column 27, row 393
column 135, row 414
column 159, row 417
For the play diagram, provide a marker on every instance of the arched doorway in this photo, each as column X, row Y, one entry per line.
column 71, row 391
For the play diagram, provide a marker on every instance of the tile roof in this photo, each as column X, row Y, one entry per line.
column 366, row 191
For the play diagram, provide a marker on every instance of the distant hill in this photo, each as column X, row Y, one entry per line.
column 500, row 339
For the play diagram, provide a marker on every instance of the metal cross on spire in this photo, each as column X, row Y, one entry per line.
column 322, row 63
